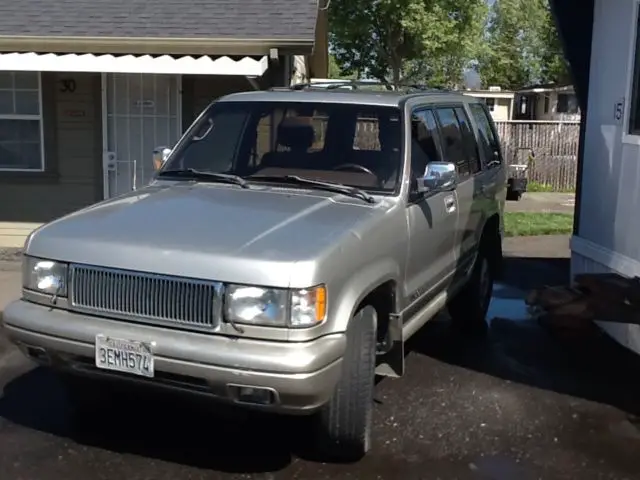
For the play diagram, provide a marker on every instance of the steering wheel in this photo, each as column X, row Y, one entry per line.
column 354, row 166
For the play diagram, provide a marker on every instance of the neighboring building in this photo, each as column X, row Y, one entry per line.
column 89, row 89
column 499, row 102
column 602, row 43
column 547, row 102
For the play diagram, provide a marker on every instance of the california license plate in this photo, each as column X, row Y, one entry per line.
column 128, row 356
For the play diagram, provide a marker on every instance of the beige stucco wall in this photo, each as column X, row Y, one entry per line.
column 73, row 150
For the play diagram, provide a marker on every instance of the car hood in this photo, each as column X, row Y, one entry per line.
column 220, row 232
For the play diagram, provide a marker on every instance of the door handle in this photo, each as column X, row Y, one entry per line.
column 450, row 204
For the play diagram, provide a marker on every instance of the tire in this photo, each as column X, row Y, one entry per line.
column 343, row 426
column 468, row 309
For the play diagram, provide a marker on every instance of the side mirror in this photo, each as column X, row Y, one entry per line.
column 439, row 176
column 160, row 155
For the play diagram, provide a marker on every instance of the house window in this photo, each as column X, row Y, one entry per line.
column 491, row 103
column 546, row 104
column 567, row 103
column 20, row 122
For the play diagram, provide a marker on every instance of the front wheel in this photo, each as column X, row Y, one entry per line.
column 343, row 426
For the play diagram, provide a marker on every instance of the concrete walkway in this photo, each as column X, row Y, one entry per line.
column 544, row 202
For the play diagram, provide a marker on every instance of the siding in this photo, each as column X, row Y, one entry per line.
column 610, row 193
column 198, row 91
column 73, row 147
column 607, row 239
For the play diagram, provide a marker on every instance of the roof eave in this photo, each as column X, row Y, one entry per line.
column 155, row 46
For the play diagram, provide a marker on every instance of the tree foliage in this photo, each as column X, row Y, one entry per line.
column 406, row 40
column 522, row 45
column 511, row 44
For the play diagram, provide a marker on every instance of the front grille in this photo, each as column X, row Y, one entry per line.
column 136, row 296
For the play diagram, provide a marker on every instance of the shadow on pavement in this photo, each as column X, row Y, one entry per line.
column 585, row 364
column 164, row 427
column 179, row 430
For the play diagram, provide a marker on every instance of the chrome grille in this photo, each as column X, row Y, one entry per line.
column 145, row 297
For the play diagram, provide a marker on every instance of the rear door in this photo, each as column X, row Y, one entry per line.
column 495, row 176
column 461, row 149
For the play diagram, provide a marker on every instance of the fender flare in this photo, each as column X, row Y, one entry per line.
column 361, row 284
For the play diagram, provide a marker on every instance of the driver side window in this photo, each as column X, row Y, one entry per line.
column 425, row 141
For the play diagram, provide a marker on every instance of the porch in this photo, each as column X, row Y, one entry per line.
column 69, row 139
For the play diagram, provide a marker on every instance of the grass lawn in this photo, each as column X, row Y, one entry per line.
column 520, row 224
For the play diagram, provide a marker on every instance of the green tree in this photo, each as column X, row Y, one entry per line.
column 336, row 72
column 406, row 40
column 521, row 45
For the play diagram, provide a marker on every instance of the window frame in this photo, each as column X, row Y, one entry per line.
column 629, row 135
column 497, row 148
column 452, row 106
column 471, row 136
column 39, row 118
column 437, row 135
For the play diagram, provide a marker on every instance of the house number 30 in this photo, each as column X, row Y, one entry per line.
column 68, row 85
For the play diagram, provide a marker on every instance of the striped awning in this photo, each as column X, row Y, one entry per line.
column 165, row 64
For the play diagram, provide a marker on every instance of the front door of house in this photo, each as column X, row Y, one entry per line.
column 142, row 113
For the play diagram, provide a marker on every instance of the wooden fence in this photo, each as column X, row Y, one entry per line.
column 553, row 143
column 555, row 149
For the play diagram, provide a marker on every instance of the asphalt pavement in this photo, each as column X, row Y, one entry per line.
column 524, row 403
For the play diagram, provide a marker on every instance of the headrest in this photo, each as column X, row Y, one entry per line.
column 296, row 132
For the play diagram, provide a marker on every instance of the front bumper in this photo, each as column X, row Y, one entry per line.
column 301, row 375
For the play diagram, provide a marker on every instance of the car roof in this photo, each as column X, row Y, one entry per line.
column 313, row 93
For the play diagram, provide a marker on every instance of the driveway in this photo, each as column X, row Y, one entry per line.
column 524, row 403
column 547, row 202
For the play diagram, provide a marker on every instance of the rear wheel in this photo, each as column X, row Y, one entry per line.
column 343, row 428
column 468, row 309
column 514, row 195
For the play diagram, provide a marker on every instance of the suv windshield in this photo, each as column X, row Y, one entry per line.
column 348, row 144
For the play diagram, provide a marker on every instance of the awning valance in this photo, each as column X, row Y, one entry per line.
column 165, row 64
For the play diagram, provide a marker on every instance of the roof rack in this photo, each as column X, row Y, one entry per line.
column 358, row 85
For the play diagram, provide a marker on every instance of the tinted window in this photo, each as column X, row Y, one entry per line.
column 425, row 145
column 453, row 144
column 470, row 147
column 487, row 136
column 356, row 145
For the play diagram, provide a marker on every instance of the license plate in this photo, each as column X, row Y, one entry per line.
column 126, row 356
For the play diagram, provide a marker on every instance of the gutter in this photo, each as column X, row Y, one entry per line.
column 156, row 46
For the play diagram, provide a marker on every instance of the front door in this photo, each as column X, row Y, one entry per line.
column 432, row 220
column 142, row 111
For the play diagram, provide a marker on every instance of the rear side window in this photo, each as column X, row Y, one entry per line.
column 488, row 139
column 470, row 146
column 453, row 143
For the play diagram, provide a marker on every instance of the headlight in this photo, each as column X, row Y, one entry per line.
column 45, row 276
column 275, row 307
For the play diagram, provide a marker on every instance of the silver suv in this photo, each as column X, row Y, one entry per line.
column 290, row 244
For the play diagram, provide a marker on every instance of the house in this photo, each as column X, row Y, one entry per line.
column 500, row 102
column 88, row 89
column 548, row 102
column 602, row 43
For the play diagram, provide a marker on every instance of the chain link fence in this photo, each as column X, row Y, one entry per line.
column 554, row 145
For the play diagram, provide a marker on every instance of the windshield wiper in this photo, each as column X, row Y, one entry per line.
column 328, row 186
column 204, row 175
